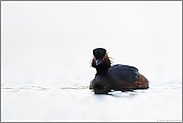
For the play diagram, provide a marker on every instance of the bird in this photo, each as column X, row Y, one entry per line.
column 116, row 77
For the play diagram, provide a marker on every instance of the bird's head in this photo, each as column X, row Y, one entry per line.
column 100, row 59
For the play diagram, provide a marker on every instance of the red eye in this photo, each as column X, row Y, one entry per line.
column 103, row 59
column 95, row 59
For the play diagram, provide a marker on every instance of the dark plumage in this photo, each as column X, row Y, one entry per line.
column 116, row 77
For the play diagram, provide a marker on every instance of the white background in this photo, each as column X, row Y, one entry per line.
column 57, row 38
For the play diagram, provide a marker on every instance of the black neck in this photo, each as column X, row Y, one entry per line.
column 102, row 71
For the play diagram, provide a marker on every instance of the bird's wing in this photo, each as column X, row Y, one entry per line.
column 124, row 72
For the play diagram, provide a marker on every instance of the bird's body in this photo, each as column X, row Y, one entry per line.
column 116, row 77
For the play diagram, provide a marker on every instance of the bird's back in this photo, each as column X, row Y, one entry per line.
column 124, row 72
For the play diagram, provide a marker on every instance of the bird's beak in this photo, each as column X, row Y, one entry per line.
column 98, row 62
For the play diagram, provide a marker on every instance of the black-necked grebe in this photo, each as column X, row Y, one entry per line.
column 117, row 77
